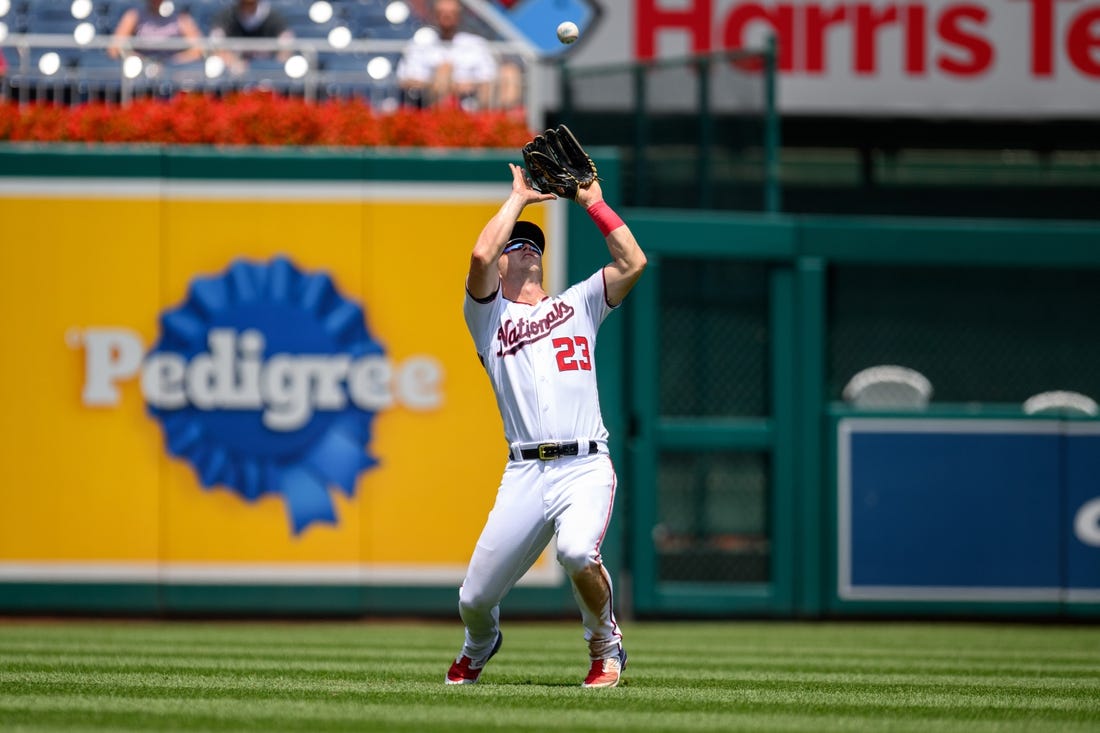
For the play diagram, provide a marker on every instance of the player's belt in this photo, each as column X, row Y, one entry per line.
column 550, row 451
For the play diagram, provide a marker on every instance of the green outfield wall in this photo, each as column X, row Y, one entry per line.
column 749, row 485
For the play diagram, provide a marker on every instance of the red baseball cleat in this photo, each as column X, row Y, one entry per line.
column 606, row 672
column 464, row 671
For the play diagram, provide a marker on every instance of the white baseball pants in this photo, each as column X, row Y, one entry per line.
column 571, row 498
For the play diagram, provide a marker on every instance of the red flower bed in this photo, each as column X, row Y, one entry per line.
column 259, row 119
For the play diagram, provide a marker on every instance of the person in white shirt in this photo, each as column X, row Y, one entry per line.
column 443, row 65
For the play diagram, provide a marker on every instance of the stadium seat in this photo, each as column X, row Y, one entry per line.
column 391, row 31
column 295, row 12
column 311, row 29
column 14, row 18
column 888, row 387
column 1061, row 402
column 99, row 77
column 203, row 12
column 54, row 25
column 11, row 57
column 368, row 20
column 345, row 76
column 186, row 77
column 48, row 76
column 109, row 13
column 268, row 73
column 364, row 14
column 54, row 16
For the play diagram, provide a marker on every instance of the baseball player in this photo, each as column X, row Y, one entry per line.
column 539, row 353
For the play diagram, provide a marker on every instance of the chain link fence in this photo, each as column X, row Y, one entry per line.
column 714, row 336
column 979, row 335
column 713, row 512
column 712, row 505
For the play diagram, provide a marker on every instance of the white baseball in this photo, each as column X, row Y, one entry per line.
column 568, row 32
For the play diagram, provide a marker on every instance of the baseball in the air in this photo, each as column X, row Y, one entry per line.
column 568, row 32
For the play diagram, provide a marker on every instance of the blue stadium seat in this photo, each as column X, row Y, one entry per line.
column 11, row 56
column 368, row 20
column 68, row 57
column 269, row 73
column 30, row 82
column 53, row 16
column 96, row 62
column 99, row 75
column 46, row 23
column 15, row 19
column 365, row 14
column 309, row 29
column 390, row 31
column 186, row 77
column 345, row 76
column 203, row 11
column 110, row 12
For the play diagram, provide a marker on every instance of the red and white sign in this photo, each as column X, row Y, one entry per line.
column 982, row 58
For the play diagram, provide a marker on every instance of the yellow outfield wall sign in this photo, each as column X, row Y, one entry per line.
column 244, row 382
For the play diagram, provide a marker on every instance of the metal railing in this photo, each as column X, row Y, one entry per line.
column 59, row 69
column 699, row 92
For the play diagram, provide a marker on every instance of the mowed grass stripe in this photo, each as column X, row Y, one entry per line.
column 575, row 710
column 683, row 677
column 511, row 695
column 717, row 658
column 914, row 700
column 231, row 676
column 825, row 637
column 825, row 641
column 811, row 689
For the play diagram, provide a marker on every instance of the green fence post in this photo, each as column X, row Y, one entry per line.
column 784, row 455
column 706, row 134
column 641, row 136
column 644, row 447
column 772, row 193
column 810, row 288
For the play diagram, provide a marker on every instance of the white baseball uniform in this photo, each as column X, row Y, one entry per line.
column 541, row 362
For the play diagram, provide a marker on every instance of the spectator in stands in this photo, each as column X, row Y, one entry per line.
column 249, row 19
column 445, row 65
column 156, row 20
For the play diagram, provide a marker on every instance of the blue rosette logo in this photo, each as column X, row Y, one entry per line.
column 266, row 380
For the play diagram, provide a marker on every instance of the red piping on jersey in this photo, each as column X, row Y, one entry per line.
column 610, row 506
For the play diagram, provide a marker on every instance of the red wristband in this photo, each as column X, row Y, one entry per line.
column 606, row 219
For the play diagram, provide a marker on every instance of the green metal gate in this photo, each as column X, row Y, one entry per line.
column 712, row 340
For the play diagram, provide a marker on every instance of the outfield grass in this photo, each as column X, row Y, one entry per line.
column 387, row 676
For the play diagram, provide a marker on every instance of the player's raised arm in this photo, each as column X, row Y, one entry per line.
column 484, row 276
column 627, row 258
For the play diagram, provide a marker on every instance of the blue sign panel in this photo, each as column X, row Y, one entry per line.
column 951, row 510
column 1082, row 514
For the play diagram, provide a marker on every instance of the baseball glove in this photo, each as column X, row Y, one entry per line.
column 557, row 164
